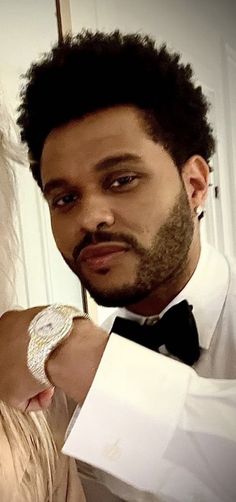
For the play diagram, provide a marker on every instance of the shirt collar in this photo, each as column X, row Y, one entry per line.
column 206, row 291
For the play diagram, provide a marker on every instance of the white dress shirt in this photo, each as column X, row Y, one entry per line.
column 156, row 429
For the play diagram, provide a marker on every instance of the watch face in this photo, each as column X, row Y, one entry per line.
column 50, row 323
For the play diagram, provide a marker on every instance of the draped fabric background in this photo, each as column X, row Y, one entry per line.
column 10, row 152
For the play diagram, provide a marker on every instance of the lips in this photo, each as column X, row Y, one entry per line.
column 100, row 255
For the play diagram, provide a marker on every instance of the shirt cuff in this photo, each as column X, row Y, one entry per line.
column 131, row 413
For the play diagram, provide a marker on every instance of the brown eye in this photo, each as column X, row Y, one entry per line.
column 122, row 181
column 64, row 200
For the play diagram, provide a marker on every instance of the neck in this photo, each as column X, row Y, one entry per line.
column 158, row 299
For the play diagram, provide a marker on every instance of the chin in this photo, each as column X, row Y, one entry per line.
column 117, row 297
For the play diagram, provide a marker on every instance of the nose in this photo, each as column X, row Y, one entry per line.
column 95, row 213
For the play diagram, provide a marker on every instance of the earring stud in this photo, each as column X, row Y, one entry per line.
column 199, row 211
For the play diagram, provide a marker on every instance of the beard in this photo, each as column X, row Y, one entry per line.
column 158, row 265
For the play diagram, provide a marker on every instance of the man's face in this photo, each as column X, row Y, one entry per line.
column 119, row 210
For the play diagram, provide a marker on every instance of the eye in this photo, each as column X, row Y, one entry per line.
column 124, row 182
column 64, row 200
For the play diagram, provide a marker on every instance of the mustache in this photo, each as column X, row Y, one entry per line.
column 99, row 237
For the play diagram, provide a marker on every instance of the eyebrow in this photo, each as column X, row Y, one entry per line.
column 53, row 184
column 115, row 160
column 107, row 163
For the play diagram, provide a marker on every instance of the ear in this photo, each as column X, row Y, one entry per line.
column 195, row 176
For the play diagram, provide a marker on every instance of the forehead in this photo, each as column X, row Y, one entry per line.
column 96, row 135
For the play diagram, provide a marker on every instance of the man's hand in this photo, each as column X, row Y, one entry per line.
column 72, row 366
column 42, row 401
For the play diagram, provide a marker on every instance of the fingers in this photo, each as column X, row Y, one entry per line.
column 33, row 405
column 45, row 397
column 42, row 401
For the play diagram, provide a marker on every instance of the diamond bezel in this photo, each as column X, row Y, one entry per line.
column 47, row 330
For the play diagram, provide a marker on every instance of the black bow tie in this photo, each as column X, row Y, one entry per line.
column 176, row 330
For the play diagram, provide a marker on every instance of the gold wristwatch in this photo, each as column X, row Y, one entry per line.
column 47, row 330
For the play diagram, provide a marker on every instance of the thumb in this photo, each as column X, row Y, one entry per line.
column 42, row 401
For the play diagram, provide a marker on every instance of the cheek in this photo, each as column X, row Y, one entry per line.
column 62, row 235
column 141, row 221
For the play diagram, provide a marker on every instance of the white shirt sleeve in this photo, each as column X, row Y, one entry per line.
column 153, row 423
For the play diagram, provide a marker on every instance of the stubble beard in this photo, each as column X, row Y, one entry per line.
column 159, row 265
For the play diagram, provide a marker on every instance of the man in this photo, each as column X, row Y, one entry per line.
column 120, row 145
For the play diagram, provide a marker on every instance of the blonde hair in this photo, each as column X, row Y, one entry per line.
column 28, row 452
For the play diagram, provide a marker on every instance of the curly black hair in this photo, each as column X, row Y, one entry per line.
column 93, row 71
